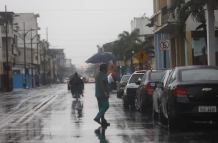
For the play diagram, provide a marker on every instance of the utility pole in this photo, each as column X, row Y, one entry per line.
column 44, row 65
column 24, row 37
column 7, row 67
column 32, row 57
column 165, row 60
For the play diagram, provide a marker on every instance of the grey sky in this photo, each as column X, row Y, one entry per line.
column 79, row 25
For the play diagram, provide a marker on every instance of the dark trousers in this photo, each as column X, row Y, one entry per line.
column 103, row 106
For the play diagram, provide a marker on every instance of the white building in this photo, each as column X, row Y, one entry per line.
column 140, row 24
column 30, row 22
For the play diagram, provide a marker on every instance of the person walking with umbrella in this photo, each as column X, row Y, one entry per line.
column 102, row 94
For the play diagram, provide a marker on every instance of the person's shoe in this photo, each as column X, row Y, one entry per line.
column 98, row 121
column 105, row 124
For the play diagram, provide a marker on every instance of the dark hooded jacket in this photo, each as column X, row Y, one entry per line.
column 77, row 84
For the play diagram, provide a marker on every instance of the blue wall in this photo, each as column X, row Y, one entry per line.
column 159, row 55
column 19, row 79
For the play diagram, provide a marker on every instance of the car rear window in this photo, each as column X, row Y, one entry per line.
column 156, row 75
column 125, row 78
column 135, row 78
column 199, row 74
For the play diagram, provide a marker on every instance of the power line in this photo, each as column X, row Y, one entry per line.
column 52, row 10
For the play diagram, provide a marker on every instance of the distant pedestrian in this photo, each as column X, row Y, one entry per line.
column 102, row 94
column 110, row 80
column 77, row 85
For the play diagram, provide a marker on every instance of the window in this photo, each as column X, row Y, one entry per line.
column 169, row 78
column 156, row 75
column 199, row 74
column 162, row 80
column 164, row 11
column 125, row 78
column 135, row 78
column 144, row 77
column 16, row 72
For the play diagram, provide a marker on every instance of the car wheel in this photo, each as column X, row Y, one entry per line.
column 172, row 123
column 137, row 104
column 162, row 118
column 155, row 114
column 125, row 103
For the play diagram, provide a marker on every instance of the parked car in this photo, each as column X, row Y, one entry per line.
column 91, row 80
column 131, row 87
column 191, row 94
column 157, row 94
column 122, row 85
column 144, row 93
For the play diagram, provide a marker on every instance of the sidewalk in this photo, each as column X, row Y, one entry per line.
column 14, row 91
column 19, row 90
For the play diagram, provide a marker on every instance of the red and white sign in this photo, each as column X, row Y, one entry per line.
column 164, row 45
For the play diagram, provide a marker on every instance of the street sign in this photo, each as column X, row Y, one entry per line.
column 164, row 45
column 141, row 56
column 118, row 63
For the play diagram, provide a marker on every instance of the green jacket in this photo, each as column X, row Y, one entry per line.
column 101, row 77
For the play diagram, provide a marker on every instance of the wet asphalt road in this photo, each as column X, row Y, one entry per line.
column 50, row 115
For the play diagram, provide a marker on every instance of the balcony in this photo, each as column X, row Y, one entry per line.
column 165, row 17
column 9, row 30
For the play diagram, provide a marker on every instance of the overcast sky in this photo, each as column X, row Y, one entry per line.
column 79, row 25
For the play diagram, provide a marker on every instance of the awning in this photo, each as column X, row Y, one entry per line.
column 154, row 15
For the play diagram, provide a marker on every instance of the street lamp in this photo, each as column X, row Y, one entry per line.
column 24, row 40
column 132, row 61
column 32, row 38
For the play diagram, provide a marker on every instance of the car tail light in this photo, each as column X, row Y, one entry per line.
column 94, row 79
column 68, row 81
column 148, row 87
column 179, row 91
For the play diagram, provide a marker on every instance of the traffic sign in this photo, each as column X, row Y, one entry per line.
column 141, row 56
column 164, row 45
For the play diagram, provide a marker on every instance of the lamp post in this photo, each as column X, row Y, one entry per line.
column 32, row 38
column 7, row 66
column 24, row 40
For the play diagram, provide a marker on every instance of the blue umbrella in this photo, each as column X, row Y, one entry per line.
column 102, row 57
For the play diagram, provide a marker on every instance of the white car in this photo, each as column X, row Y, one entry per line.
column 91, row 80
column 131, row 87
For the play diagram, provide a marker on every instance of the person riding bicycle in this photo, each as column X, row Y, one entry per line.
column 77, row 85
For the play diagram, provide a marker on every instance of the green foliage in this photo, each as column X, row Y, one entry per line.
column 181, row 11
column 127, row 43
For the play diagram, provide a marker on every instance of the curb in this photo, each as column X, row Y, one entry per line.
column 6, row 93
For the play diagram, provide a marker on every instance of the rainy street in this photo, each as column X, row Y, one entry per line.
column 50, row 115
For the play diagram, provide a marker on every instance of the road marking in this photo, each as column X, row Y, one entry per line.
column 34, row 110
column 40, row 109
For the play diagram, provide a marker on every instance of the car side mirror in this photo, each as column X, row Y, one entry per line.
column 138, row 82
column 160, row 85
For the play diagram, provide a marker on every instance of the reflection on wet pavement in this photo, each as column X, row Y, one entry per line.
column 65, row 120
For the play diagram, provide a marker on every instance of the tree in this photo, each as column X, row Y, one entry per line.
column 182, row 10
column 125, row 40
column 146, row 46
